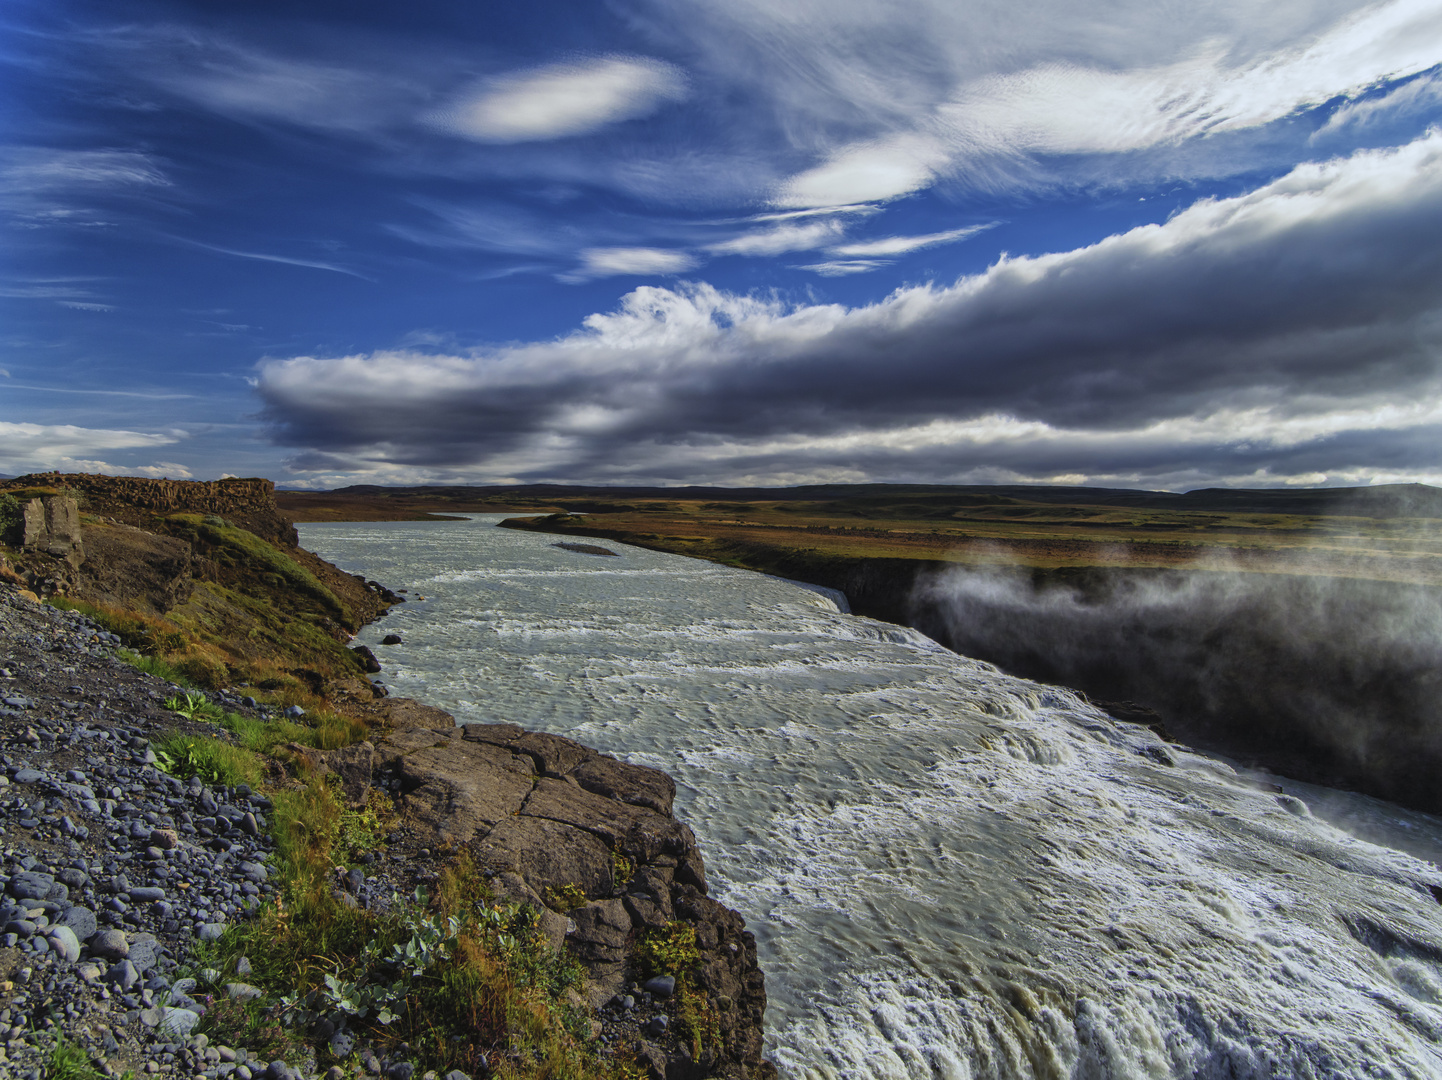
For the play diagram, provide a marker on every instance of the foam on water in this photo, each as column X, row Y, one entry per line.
column 950, row 872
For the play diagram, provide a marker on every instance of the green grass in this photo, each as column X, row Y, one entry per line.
column 153, row 665
column 69, row 1061
column 213, row 760
column 269, row 557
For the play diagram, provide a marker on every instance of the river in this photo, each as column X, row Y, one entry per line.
column 950, row 872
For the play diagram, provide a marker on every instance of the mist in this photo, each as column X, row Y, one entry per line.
column 1331, row 680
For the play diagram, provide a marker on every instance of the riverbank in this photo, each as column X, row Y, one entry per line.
column 268, row 844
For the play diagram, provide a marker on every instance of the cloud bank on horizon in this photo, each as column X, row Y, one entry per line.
column 670, row 242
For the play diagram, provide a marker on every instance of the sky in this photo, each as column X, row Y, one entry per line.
column 1128, row 243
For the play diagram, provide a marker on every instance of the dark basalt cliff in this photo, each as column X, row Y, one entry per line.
column 137, row 500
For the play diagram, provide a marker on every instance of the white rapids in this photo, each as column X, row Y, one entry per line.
column 950, row 872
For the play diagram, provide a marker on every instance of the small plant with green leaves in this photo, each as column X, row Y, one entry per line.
column 622, row 869
column 253, row 1024
column 213, row 760
column 672, row 951
column 11, row 517
column 567, row 898
column 363, row 828
column 195, row 706
column 153, row 665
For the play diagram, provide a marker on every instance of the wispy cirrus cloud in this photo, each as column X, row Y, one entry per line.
column 44, row 186
column 900, row 245
column 311, row 264
column 843, row 267
column 780, row 238
column 957, row 111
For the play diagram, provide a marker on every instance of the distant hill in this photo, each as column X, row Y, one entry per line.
column 1381, row 501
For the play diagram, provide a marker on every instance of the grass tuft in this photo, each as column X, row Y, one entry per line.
column 214, row 761
column 68, row 1061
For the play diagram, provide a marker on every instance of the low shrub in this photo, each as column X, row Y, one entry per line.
column 672, row 951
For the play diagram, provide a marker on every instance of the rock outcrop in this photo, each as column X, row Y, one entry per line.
column 135, row 500
column 588, row 839
column 52, row 525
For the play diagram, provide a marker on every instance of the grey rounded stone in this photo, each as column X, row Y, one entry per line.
column 123, row 975
column 81, row 920
column 342, row 1044
column 142, row 952
column 64, row 942
column 110, row 944
column 662, row 986
column 657, row 1025
column 29, row 885
column 146, row 894
column 179, row 1022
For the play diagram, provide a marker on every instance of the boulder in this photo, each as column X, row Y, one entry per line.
column 52, row 526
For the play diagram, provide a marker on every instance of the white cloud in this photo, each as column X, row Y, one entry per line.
column 36, row 169
column 41, row 187
column 780, row 238
column 311, row 264
column 36, row 447
column 1409, row 98
column 867, row 172
column 608, row 262
column 1070, row 109
column 1047, row 96
column 843, row 267
column 235, row 80
column 900, row 245
column 564, row 99
column 1227, row 339
column 85, row 305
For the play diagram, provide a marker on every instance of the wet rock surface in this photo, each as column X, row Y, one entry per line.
column 111, row 870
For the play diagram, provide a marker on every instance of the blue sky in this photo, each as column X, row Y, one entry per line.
column 646, row 242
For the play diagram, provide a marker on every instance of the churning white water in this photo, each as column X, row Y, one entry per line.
column 950, row 872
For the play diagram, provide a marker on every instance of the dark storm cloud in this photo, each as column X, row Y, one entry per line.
column 1240, row 332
